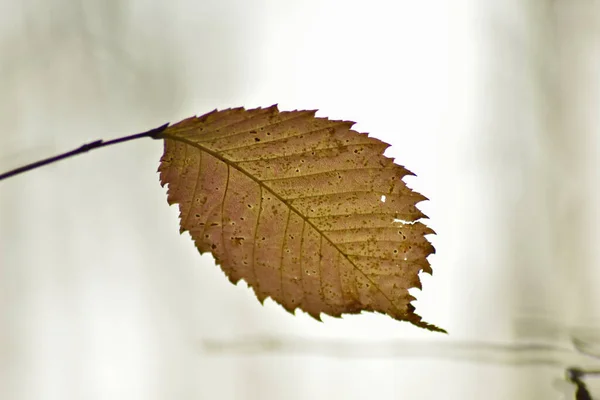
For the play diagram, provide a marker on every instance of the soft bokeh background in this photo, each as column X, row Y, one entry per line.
column 493, row 103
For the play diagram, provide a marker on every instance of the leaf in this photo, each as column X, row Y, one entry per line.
column 305, row 210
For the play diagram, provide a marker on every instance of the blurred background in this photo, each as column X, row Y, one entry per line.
column 492, row 103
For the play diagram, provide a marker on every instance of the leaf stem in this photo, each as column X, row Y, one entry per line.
column 152, row 133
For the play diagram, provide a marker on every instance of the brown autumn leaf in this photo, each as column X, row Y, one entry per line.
column 305, row 210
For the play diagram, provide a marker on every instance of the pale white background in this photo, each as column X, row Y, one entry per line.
column 493, row 104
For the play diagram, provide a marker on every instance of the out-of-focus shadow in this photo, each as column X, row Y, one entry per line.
column 517, row 354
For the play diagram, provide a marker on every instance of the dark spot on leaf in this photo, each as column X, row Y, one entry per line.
column 256, row 139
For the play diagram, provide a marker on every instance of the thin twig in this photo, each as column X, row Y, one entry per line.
column 575, row 375
column 152, row 133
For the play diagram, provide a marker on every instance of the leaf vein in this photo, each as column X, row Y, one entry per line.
column 255, row 237
column 310, row 132
column 187, row 217
column 287, row 223
column 233, row 135
column 320, row 253
column 223, row 210
column 321, row 173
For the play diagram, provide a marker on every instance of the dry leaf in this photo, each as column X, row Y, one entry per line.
column 305, row 210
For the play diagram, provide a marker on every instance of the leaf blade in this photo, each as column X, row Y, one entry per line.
column 305, row 223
